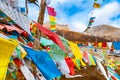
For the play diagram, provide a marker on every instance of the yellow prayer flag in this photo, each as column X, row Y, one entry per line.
column 6, row 49
column 96, row 5
column 92, row 60
column 100, row 44
column 76, row 51
column 52, row 18
column 76, row 64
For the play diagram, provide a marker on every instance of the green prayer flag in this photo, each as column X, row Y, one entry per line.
column 78, row 62
column 14, row 75
column 52, row 23
column 46, row 42
column 18, row 52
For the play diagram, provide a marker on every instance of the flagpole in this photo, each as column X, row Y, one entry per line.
column 40, row 21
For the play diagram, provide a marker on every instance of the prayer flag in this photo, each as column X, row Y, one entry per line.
column 51, row 11
column 104, row 44
column 44, row 63
column 52, row 18
column 53, row 36
column 116, row 45
column 6, row 49
column 26, row 72
column 92, row 18
column 92, row 60
column 96, row 5
column 76, row 62
column 45, row 42
column 109, row 44
column 70, row 65
column 62, row 65
column 52, row 23
column 86, row 57
column 100, row 44
column 53, row 26
column 76, row 51
column 101, row 68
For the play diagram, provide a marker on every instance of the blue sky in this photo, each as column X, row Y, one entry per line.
column 76, row 13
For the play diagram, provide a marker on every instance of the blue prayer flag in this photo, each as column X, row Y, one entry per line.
column 92, row 18
column 44, row 63
column 116, row 45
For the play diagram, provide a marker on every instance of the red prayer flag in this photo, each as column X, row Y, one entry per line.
column 51, row 11
column 95, row 44
column 17, row 62
column 91, row 20
column 53, row 36
column 104, row 44
column 70, row 65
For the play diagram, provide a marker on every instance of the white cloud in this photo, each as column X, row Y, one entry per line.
column 78, row 27
column 104, row 15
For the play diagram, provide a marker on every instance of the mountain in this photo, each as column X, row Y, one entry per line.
column 104, row 31
column 79, row 37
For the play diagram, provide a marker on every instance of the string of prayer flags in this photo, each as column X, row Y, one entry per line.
column 89, row 58
column 5, row 54
column 91, row 21
column 53, row 36
column 113, row 74
column 44, row 63
column 76, row 51
column 52, row 17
